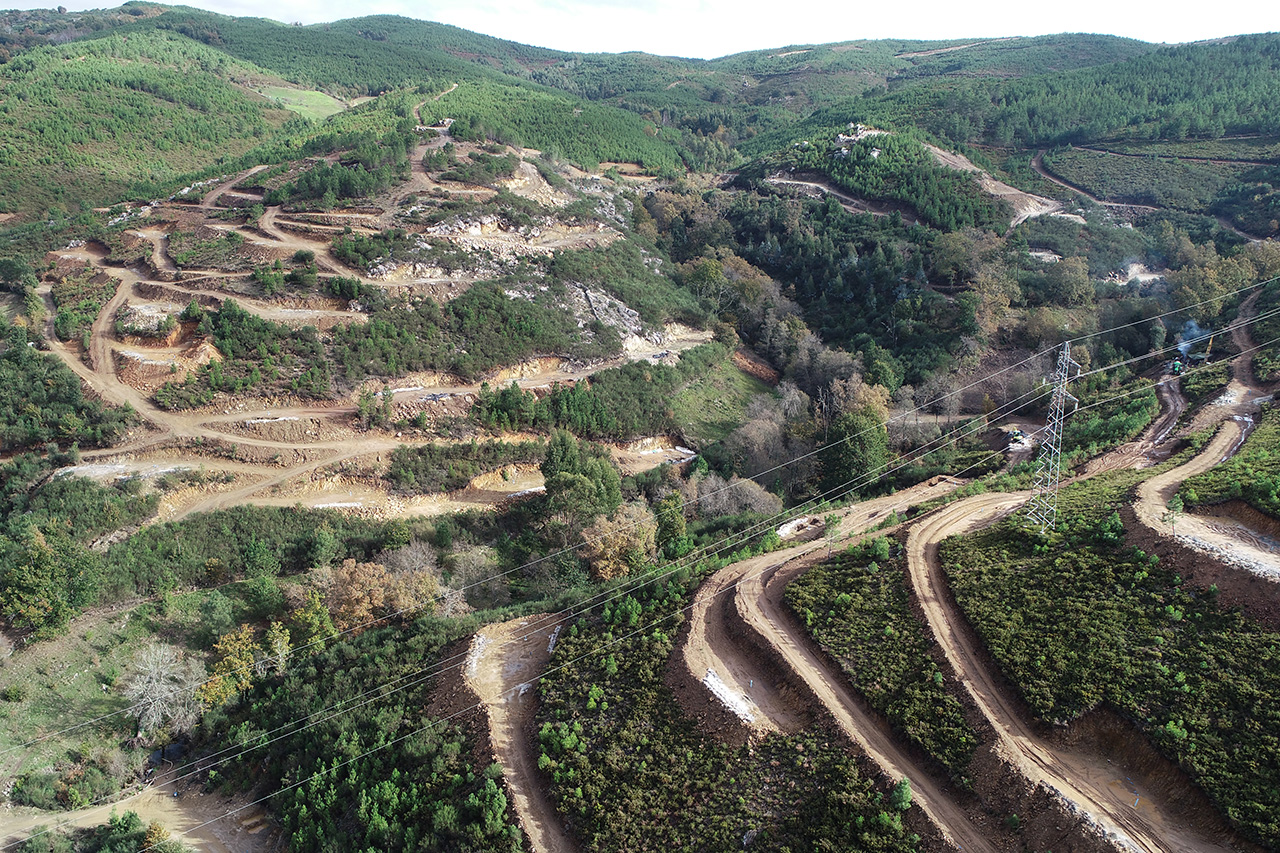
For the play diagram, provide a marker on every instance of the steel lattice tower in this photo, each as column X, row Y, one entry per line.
column 1042, row 509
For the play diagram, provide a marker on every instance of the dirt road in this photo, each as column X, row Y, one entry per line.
column 1234, row 544
column 716, row 642
column 211, row 197
column 1147, row 449
column 194, row 818
column 1228, row 540
column 760, row 597
column 850, row 203
column 1025, row 205
column 504, row 662
column 1145, row 822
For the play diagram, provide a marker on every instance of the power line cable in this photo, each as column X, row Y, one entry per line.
column 433, row 723
column 439, row 667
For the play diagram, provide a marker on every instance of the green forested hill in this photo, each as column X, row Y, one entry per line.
column 1190, row 91
column 84, row 121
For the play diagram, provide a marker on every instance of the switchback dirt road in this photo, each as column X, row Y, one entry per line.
column 1144, row 823
column 716, row 642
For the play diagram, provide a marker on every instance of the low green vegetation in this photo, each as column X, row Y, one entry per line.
column 206, row 249
column 1266, row 334
column 258, row 356
column 1250, row 149
column 1120, row 406
column 1194, row 677
column 244, row 541
column 1206, row 381
column 42, row 402
column 714, row 402
column 585, row 132
column 481, row 168
column 79, row 299
column 856, row 606
column 1161, row 182
column 386, row 774
column 628, row 771
column 631, row 273
column 124, row 833
column 897, row 167
column 372, row 163
column 1252, row 475
column 445, row 467
column 480, row 330
column 87, row 121
column 619, row 403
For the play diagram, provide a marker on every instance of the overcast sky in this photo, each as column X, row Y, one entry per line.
column 710, row 28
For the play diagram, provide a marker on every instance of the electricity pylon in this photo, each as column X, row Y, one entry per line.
column 1042, row 509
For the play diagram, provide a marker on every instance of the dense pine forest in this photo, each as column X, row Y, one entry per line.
column 412, row 439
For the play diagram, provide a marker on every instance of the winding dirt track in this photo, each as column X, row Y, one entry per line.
column 1245, row 547
column 504, row 661
column 1148, row 823
column 714, row 642
column 1084, row 780
column 763, row 581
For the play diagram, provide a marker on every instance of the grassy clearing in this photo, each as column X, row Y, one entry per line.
column 307, row 103
column 59, row 683
column 714, row 405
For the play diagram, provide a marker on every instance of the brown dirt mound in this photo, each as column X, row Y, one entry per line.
column 753, row 365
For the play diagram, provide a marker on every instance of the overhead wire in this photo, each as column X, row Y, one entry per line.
column 204, row 764
column 774, row 469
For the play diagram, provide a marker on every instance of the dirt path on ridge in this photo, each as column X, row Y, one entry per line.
column 1092, row 783
column 504, row 662
column 852, row 204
